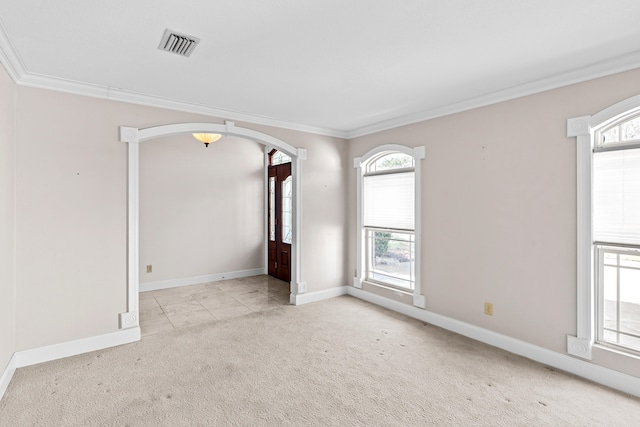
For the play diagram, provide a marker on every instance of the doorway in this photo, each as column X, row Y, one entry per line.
column 279, row 215
column 134, row 136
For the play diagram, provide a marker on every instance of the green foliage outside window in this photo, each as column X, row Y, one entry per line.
column 382, row 243
column 396, row 162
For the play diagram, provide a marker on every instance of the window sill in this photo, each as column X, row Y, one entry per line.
column 617, row 351
column 400, row 292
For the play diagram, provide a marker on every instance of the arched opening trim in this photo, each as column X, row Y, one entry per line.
column 134, row 136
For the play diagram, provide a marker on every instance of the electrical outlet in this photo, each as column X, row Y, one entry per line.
column 488, row 309
column 149, row 268
column 302, row 287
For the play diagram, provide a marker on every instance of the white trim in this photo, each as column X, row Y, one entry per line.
column 318, row 295
column 178, row 105
column 5, row 379
column 357, row 282
column 419, row 299
column 360, row 242
column 133, row 217
column 580, row 347
column 583, row 128
column 418, row 153
column 129, row 319
column 629, row 106
column 73, row 348
column 133, row 136
column 187, row 281
column 608, row 377
column 599, row 374
column 581, row 344
column 265, row 207
column 297, row 285
column 594, row 71
column 9, row 58
column 17, row 71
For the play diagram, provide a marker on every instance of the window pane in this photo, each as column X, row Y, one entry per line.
column 620, row 297
column 616, row 196
column 279, row 158
column 391, row 161
column 389, row 201
column 630, row 260
column 630, row 130
column 391, row 258
column 272, row 208
column 610, row 295
column 610, row 259
column 627, row 131
column 611, row 336
column 287, row 203
column 630, row 301
column 630, row 341
column 612, row 135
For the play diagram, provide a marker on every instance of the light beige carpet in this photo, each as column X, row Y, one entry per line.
column 340, row 362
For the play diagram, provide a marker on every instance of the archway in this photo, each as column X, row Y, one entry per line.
column 134, row 136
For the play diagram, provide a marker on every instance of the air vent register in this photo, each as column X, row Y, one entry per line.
column 180, row 44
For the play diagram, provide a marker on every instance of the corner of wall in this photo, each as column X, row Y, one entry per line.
column 7, row 229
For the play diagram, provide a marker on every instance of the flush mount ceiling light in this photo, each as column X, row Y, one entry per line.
column 207, row 138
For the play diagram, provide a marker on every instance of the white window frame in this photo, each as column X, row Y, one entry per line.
column 584, row 129
column 369, row 256
column 359, row 163
column 600, row 250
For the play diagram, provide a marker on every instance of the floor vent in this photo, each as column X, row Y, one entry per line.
column 177, row 43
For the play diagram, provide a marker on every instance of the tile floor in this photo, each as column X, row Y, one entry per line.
column 167, row 309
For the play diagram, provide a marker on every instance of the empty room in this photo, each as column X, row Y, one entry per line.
column 320, row 213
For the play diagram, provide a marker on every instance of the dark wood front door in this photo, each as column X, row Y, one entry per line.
column 280, row 221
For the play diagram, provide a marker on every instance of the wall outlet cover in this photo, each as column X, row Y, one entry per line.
column 302, row 287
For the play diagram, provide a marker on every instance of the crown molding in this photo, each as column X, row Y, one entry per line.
column 18, row 73
column 155, row 101
column 9, row 58
column 594, row 71
column 16, row 70
column 115, row 94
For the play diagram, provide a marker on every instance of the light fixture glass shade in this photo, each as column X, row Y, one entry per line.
column 207, row 138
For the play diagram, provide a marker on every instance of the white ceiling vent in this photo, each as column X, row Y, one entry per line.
column 180, row 44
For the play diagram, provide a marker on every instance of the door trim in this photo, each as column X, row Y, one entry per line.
column 134, row 136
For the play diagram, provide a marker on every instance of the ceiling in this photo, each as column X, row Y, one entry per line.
column 335, row 67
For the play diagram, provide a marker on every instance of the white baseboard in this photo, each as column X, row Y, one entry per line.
column 608, row 377
column 5, row 379
column 318, row 295
column 58, row 351
column 186, row 281
column 73, row 348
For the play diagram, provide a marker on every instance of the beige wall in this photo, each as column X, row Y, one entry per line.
column 201, row 209
column 7, row 218
column 324, row 209
column 71, row 211
column 499, row 211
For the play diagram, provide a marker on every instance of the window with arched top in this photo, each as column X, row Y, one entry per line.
column 388, row 219
column 389, row 161
column 616, row 232
column 608, row 258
